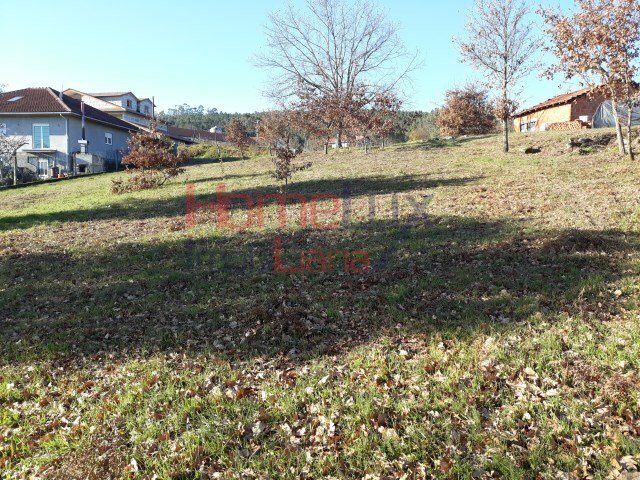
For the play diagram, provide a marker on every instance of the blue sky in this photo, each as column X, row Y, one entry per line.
column 199, row 51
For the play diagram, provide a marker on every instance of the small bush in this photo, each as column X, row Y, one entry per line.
column 150, row 163
column 138, row 180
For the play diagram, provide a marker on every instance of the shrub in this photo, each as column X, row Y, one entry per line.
column 283, row 162
column 138, row 180
column 467, row 111
column 150, row 163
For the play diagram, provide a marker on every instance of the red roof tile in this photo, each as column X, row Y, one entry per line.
column 557, row 100
column 48, row 100
column 31, row 100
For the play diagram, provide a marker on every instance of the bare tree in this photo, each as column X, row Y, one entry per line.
column 9, row 147
column 502, row 44
column 601, row 42
column 328, row 52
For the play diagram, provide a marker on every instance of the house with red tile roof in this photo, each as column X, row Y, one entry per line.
column 128, row 107
column 61, row 133
column 570, row 109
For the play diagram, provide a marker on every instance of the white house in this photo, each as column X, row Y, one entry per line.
column 51, row 124
column 123, row 105
column 129, row 108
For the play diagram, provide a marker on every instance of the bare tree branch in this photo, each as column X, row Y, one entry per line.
column 9, row 146
column 334, row 51
column 502, row 44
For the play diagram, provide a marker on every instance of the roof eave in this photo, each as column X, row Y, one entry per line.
column 36, row 113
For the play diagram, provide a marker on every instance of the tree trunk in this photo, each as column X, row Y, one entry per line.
column 15, row 169
column 366, row 147
column 505, row 135
column 505, row 105
column 383, row 143
column 630, row 133
column 326, row 148
column 339, row 139
column 616, row 119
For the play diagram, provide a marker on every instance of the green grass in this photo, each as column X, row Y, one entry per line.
column 500, row 339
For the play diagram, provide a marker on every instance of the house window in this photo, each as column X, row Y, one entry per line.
column 528, row 126
column 41, row 164
column 129, row 103
column 43, row 167
column 146, row 109
column 41, row 136
column 108, row 138
column 3, row 128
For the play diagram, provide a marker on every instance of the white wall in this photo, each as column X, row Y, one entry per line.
column 137, row 119
column 148, row 104
column 22, row 126
column 97, row 103
column 122, row 101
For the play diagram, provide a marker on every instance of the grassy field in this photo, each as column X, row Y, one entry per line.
column 495, row 336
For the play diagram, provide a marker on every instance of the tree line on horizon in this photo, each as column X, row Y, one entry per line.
column 408, row 125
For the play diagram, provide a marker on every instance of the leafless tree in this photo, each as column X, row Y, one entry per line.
column 331, row 50
column 9, row 146
column 600, row 42
column 502, row 44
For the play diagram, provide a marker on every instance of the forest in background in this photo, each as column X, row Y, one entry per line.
column 409, row 125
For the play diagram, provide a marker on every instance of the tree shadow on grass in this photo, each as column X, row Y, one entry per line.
column 134, row 208
column 227, row 178
column 451, row 275
column 440, row 143
column 216, row 160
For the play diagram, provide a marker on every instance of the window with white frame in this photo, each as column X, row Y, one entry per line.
column 108, row 138
column 528, row 126
column 41, row 136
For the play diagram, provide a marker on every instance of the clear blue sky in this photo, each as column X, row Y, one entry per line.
column 199, row 51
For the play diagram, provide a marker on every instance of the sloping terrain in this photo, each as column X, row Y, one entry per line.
column 483, row 325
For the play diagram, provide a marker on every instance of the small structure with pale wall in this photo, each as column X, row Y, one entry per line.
column 568, row 111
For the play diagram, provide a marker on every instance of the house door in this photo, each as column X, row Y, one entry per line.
column 43, row 167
